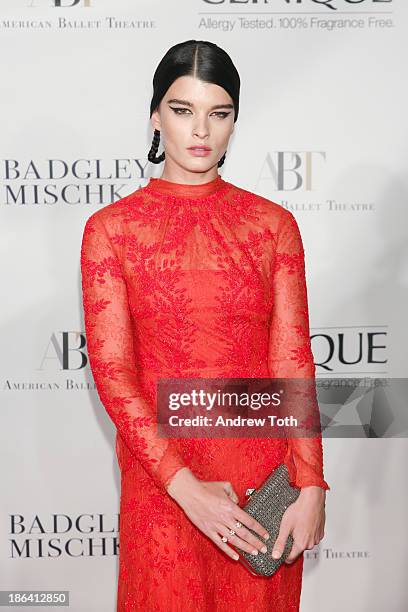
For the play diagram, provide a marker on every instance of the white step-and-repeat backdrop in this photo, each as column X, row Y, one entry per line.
column 322, row 131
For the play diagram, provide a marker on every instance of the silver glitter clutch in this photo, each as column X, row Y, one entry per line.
column 267, row 505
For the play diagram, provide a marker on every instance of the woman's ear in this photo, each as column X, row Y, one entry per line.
column 155, row 120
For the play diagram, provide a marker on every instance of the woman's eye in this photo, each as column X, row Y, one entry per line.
column 180, row 111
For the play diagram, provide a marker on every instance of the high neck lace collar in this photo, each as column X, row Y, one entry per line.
column 188, row 190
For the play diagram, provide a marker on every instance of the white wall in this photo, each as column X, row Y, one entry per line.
column 332, row 100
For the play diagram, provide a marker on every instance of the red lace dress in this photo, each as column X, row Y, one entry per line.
column 193, row 281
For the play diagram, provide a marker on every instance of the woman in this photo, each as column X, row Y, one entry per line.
column 192, row 276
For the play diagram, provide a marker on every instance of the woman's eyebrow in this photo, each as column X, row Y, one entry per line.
column 187, row 103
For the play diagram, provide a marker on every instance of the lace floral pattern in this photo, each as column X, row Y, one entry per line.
column 193, row 281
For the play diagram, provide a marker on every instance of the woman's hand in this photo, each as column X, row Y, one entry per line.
column 305, row 519
column 213, row 508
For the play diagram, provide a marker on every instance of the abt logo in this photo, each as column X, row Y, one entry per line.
column 60, row 3
column 293, row 170
column 65, row 350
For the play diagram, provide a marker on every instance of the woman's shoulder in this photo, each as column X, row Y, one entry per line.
column 112, row 214
column 272, row 209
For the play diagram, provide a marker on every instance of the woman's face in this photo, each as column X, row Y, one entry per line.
column 194, row 113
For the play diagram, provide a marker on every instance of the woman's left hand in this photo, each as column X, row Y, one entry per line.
column 305, row 519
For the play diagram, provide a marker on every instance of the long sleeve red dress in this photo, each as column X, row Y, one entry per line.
column 182, row 280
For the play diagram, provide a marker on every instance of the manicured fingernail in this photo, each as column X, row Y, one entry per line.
column 264, row 549
column 236, row 557
column 254, row 552
column 276, row 554
column 266, row 536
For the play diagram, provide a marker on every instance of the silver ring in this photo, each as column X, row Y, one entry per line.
column 238, row 525
column 224, row 539
column 231, row 532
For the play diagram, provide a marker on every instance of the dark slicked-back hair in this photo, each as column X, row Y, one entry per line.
column 201, row 59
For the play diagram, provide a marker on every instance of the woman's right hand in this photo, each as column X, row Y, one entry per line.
column 213, row 507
